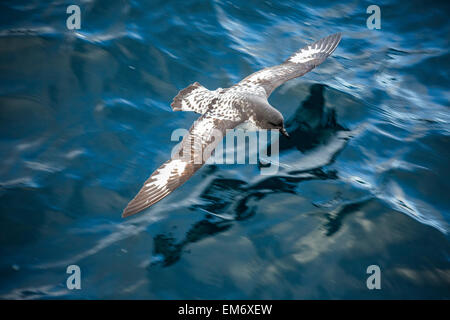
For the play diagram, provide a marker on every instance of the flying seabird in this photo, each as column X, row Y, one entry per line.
column 222, row 109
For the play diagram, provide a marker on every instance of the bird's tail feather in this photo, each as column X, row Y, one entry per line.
column 195, row 98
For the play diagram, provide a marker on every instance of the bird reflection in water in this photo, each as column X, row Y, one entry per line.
column 227, row 201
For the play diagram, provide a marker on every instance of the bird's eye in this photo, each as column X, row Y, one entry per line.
column 274, row 124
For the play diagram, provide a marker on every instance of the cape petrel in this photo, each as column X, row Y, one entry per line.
column 222, row 109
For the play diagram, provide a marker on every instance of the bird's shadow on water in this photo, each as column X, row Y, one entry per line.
column 228, row 201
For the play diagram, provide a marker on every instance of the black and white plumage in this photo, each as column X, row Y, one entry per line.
column 224, row 109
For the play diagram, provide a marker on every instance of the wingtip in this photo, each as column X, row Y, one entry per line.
column 333, row 41
column 338, row 36
column 127, row 212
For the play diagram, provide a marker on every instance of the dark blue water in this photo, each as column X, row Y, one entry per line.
column 85, row 118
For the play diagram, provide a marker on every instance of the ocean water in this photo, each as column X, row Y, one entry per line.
column 85, row 118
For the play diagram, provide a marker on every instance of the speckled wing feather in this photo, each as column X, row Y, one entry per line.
column 194, row 151
column 295, row 66
column 195, row 98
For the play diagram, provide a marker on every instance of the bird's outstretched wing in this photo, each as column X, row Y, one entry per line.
column 301, row 62
column 194, row 151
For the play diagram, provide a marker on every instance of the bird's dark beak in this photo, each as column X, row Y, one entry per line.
column 284, row 133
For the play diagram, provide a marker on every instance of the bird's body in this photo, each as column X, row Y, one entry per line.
column 224, row 109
